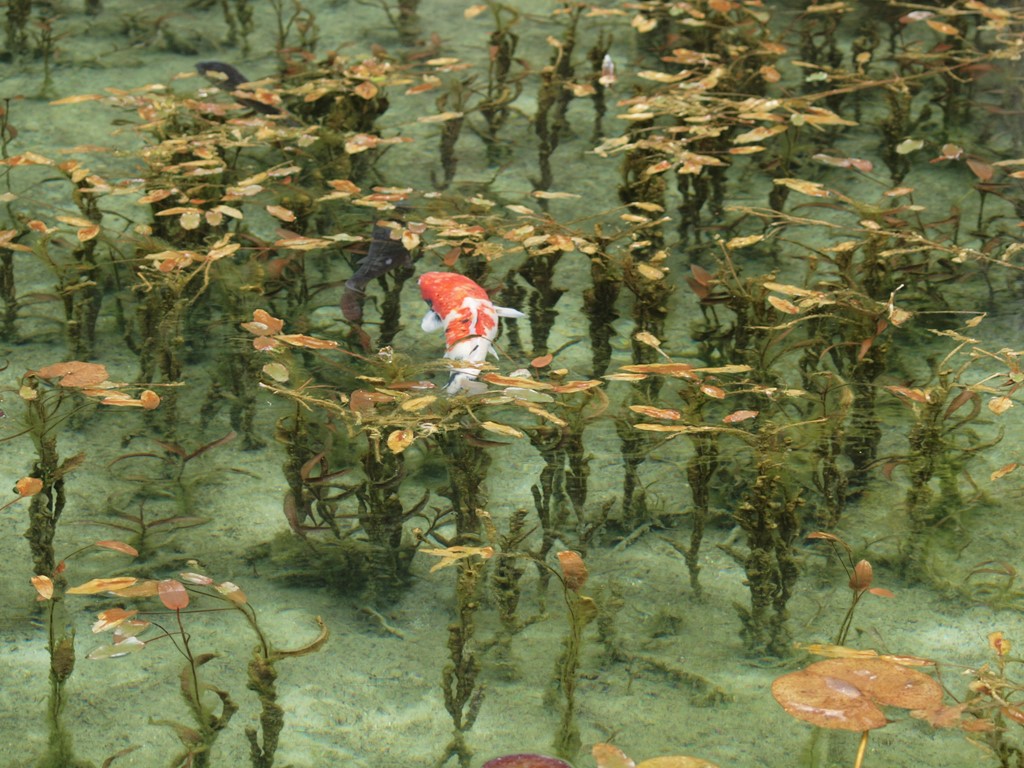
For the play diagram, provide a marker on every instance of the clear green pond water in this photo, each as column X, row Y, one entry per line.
column 661, row 669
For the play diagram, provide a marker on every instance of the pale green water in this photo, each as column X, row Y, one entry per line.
column 372, row 695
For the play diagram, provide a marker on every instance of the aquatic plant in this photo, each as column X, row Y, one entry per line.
column 860, row 574
column 581, row 611
column 52, row 588
column 238, row 15
column 463, row 694
column 170, row 480
column 847, row 693
column 175, row 595
column 51, row 395
column 994, row 703
column 16, row 23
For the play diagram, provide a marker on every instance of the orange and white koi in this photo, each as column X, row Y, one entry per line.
column 468, row 317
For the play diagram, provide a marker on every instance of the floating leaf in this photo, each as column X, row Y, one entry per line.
column 77, row 99
column 649, row 339
column 1000, row 405
column 643, row 23
column 760, row 134
column 400, row 439
column 917, row 395
column 44, row 586
column 542, row 362
column 574, row 570
column 542, row 195
column 145, row 588
column 96, row 586
column 366, row 90
column 118, row 546
column 280, row 212
column 232, row 592
column 1003, row 471
column 172, row 594
column 738, row 416
column 28, row 486
column 198, row 579
column 74, row 373
column 501, row 429
column 677, row 370
column 442, row 117
column 149, row 399
column 514, row 381
column 576, row 386
column 111, row 618
column 784, row 305
column 123, row 648
column 984, row 171
column 190, row 220
column 529, row 395
column 907, row 146
column 656, row 413
column 812, row 188
column 277, row 372
column 674, row 428
column 85, row 234
column 309, row 342
column 942, row 27
column 418, row 403
column 712, row 391
column 263, row 323
column 648, row 272
column 675, row 761
column 361, row 142
column 743, row 242
column 610, row 756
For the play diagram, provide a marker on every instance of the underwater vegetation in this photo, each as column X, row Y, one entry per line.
column 727, row 292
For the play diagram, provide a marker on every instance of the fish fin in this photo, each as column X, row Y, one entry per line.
column 472, row 349
column 431, row 322
column 464, row 383
column 508, row 312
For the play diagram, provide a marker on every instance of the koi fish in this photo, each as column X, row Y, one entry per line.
column 469, row 319
column 384, row 255
column 221, row 74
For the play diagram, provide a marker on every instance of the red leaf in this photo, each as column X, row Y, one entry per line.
column 958, row 401
column 981, row 169
column 917, row 395
column 118, row 546
column 232, row 592
column 737, row 416
column 173, row 594
column 862, row 575
column 830, row 537
column 864, row 347
column 542, row 362
column 712, row 391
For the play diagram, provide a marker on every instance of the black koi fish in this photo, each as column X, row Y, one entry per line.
column 226, row 76
column 384, row 255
